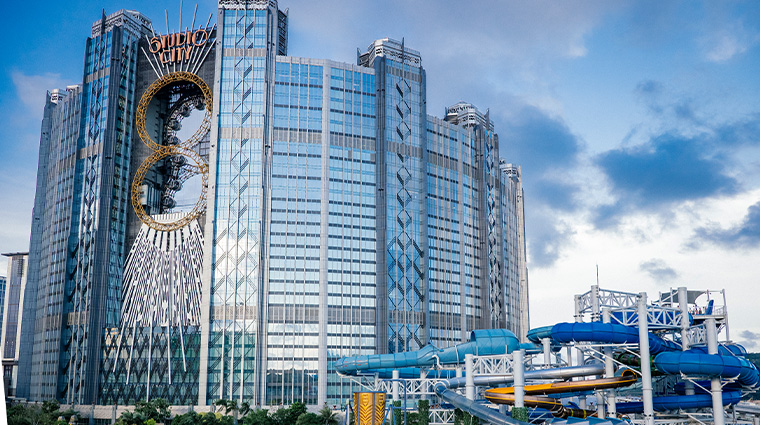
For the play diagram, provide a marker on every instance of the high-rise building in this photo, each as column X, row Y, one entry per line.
column 329, row 215
column 11, row 330
column 3, row 282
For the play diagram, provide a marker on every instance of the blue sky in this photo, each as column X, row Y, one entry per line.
column 637, row 124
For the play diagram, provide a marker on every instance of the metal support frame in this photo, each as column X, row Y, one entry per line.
column 519, row 376
column 646, row 367
column 469, row 377
column 609, row 369
column 716, row 390
column 395, row 381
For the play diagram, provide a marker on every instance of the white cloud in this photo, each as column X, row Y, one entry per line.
column 725, row 39
column 475, row 52
column 31, row 89
column 724, row 46
column 19, row 148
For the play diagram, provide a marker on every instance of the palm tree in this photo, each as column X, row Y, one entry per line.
column 245, row 408
column 327, row 416
column 228, row 405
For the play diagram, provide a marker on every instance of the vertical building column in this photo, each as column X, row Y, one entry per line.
column 323, row 250
column 208, row 243
column 646, row 367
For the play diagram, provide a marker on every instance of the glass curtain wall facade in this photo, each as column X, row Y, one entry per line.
column 49, row 250
column 82, row 197
column 236, row 304
column 2, row 299
column 341, row 219
column 402, row 219
column 292, row 261
column 100, row 200
column 515, row 270
column 453, row 242
column 10, row 340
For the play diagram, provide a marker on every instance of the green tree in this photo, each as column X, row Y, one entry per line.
column 156, row 409
column 192, row 418
column 327, row 416
column 131, row 418
column 423, row 407
column 289, row 415
column 227, row 405
column 520, row 413
column 26, row 415
column 412, row 418
column 245, row 408
column 33, row 414
column 398, row 413
column 308, row 419
column 258, row 417
column 463, row 418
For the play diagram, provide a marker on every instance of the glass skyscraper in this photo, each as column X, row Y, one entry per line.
column 336, row 217
column 14, row 288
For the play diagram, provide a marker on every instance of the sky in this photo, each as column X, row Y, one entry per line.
column 636, row 125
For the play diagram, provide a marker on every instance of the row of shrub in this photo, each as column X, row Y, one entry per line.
column 158, row 412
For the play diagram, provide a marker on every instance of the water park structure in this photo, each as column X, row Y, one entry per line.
column 607, row 366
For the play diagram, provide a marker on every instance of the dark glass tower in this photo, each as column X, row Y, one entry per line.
column 336, row 217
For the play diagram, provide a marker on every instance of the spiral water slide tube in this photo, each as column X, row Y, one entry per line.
column 729, row 363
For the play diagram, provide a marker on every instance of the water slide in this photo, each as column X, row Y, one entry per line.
column 668, row 358
column 729, row 363
column 627, row 378
column 445, row 389
column 485, row 342
column 482, row 342
column 552, row 405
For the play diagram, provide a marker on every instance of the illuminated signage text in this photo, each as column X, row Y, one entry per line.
column 179, row 46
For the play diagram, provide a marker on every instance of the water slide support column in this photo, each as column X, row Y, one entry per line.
column 595, row 316
column 715, row 388
column 683, row 304
column 547, row 344
column 609, row 369
column 469, row 388
column 595, row 310
column 395, row 384
column 646, row 367
column 519, row 375
column 579, row 319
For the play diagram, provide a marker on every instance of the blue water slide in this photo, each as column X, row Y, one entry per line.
column 483, row 342
column 696, row 362
column 610, row 333
column 728, row 363
column 535, row 335
column 675, row 402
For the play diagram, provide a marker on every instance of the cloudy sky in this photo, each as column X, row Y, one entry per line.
column 637, row 125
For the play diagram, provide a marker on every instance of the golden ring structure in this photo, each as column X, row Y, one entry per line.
column 161, row 152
